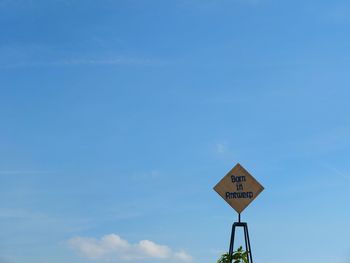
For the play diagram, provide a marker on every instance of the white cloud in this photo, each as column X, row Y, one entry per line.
column 113, row 246
column 183, row 256
column 221, row 148
column 153, row 250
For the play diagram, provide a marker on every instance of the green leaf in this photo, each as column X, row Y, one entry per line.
column 238, row 256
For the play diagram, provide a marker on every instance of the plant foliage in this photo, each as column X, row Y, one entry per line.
column 238, row 256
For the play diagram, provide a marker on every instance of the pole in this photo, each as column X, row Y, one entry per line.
column 246, row 239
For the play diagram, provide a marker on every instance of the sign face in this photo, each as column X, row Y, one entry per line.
column 238, row 188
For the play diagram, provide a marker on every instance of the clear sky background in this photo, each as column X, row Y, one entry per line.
column 118, row 118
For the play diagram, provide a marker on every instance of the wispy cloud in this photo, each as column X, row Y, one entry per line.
column 149, row 175
column 337, row 172
column 221, row 148
column 113, row 246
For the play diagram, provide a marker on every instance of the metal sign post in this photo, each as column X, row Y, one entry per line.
column 246, row 239
column 239, row 188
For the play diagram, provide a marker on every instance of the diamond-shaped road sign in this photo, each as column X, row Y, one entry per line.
column 238, row 188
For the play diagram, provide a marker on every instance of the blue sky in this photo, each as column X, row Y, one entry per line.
column 119, row 117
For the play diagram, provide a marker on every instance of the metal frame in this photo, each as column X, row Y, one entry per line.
column 246, row 239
